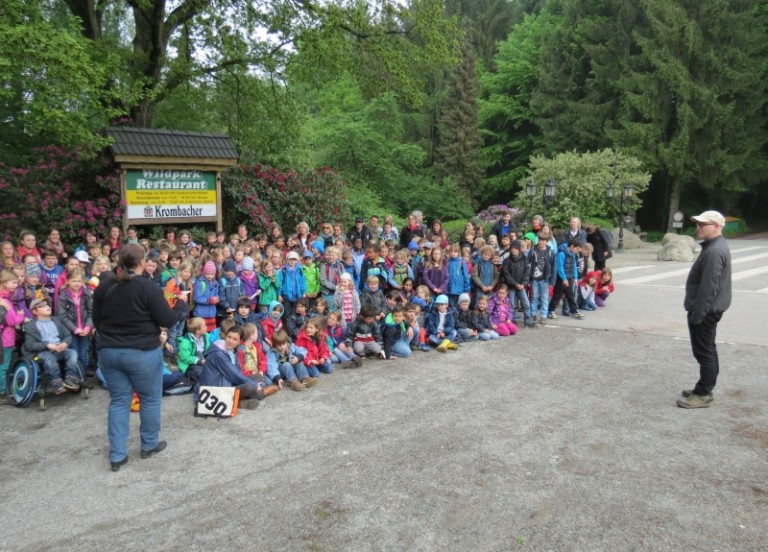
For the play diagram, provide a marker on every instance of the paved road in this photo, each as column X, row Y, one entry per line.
column 564, row 438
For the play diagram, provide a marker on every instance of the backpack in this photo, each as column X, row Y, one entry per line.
column 607, row 236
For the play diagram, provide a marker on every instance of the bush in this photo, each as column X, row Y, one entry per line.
column 455, row 229
column 263, row 195
column 654, row 236
column 60, row 189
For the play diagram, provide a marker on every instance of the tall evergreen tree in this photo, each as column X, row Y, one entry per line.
column 458, row 153
column 693, row 96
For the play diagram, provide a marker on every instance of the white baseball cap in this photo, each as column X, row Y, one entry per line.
column 710, row 217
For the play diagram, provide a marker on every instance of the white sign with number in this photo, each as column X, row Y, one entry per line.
column 221, row 402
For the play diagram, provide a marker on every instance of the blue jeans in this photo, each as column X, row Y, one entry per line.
column 490, row 334
column 540, row 297
column 50, row 363
column 125, row 370
column 337, row 355
column 326, row 368
column 81, row 345
column 291, row 372
column 466, row 334
column 434, row 340
column 522, row 296
column 401, row 348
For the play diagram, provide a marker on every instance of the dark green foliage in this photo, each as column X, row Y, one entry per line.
column 457, row 155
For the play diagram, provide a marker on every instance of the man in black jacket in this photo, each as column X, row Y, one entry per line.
column 707, row 297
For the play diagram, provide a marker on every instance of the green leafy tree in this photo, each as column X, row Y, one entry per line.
column 694, row 96
column 582, row 181
column 506, row 116
column 458, row 153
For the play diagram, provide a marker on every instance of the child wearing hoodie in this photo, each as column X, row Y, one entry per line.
column 440, row 325
column 515, row 272
column 311, row 277
column 295, row 321
column 364, row 334
column 397, row 335
column 501, row 312
column 292, row 283
column 230, row 289
column 331, row 271
column 250, row 280
column 373, row 297
column 206, row 296
column 244, row 314
column 458, row 275
column 336, row 337
column 587, row 288
column 270, row 289
column 272, row 322
column 192, row 347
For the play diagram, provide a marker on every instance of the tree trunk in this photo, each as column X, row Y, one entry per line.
column 674, row 202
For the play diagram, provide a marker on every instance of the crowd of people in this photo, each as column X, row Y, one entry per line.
column 268, row 311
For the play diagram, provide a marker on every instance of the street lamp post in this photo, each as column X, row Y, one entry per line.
column 626, row 193
column 550, row 191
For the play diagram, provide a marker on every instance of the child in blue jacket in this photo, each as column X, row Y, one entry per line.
column 206, row 296
column 458, row 275
column 291, row 282
column 440, row 325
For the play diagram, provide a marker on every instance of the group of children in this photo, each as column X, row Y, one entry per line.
column 270, row 312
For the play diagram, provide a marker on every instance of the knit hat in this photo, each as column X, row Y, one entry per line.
column 464, row 297
column 319, row 245
column 228, row 266
column 531, row 236
column 33, row 269
column 346, row 276
column 248, row 263
column 209, row 268
column 413, row 246
column 516, row 245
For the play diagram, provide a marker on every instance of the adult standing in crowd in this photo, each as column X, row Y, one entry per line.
column 601, row 251
column 504, row 225
column 128, row 311
column 412, row 229
column 359, row 231
column 707, row 297
column 575, row 231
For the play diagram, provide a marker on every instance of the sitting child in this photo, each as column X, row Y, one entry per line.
column 286, row 359
column 254, row 361
column 604, row 287
column 298, row 317
column 501, row 313
column 48, row 339
column 272, row 323
column 244, row 313
column 340, row 353
column 192, row 348
column 397, row 335
column 481, row 321
column 364, row 334
column 312, row 339
column 221, row 369
column 586, row 298
column 440, row 326
column 464, row 322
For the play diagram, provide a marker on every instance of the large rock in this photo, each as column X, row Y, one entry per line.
column 671, row 236
column 631, row 240
column 676, row 250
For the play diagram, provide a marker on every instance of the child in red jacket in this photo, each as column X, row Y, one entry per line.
column 312, row 338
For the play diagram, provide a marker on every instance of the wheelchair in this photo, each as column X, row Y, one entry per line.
column 26, row 379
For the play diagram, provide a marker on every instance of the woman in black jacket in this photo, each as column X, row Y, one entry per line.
column 602, row 249
column 128, row 311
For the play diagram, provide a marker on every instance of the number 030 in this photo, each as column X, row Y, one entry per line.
column 212, row 402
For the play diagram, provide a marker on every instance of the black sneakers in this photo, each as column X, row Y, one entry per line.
column 158, row 448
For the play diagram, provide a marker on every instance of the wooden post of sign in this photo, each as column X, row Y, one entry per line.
column 219, row 214
column 123, row 201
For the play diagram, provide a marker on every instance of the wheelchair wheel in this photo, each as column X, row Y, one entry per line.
column 23, row 382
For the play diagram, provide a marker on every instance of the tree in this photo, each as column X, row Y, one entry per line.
column 174, row 44
column 506, row 116
column 693, row 96
column 458, row 153
column 582, row 181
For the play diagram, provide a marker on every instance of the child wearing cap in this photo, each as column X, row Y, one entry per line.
column 464, row 322
column 48, row 339
column 291, row 282
column 206, row 296
column 440, row 325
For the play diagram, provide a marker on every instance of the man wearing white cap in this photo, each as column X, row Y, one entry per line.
column 707, row 297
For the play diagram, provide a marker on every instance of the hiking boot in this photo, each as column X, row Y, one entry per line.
column 250, row 404
column 695, row 401
column 423, row 347
column 453, row 346
column 443, row 347
column 115, row 466
column 56, row 387
column 542, row 321
column 552, row 316
column 577, row 316
column 296, row 385
column 159, row 447
column 72, row 383
column 271, row 390
column 310, row 382
column 687, row 393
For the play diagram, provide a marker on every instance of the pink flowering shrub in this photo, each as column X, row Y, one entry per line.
column 260, row 195
column 59, row 189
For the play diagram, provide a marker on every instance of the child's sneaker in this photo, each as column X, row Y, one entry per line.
column 423, row 347
column 57, row 387
column 577, row 315
column 552, row 316
column 358, row 361
column 296, row 385
column 72, row 383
